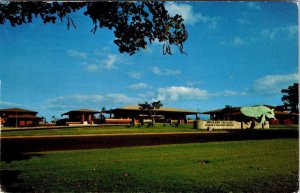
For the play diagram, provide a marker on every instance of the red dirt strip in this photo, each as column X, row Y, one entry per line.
column 69, row 142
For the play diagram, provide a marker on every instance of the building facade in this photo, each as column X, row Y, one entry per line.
column 235, row 114
column 17, row 117
column 80, row 116
column 162, row 115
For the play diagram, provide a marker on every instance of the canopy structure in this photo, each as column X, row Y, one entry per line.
column 82, row 111
column 17, row 117
column 162, row 114
column 248, row 113
column 17, row 111
column 81, row 115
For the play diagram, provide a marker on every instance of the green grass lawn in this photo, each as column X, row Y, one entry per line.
column 244, row 166
column 104, row 130
column 119, row 130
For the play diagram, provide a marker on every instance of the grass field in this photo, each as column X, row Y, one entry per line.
column 118, row 130
column 104, row 130
column 244, row 166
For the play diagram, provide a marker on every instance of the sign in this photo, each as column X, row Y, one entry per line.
column 201, row 124
column 219, row 123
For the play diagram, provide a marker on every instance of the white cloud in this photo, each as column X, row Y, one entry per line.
column 171, row 72
column 102, row 52
column 137, row 86
column 174, row 93
column 229, row 93
column 92, row 68
column 147, row 95
column 238, row 41
column 156, row 70
column 9, row 104
column 109, row 62
column 6, row 104
column 292, row 30
column 74, row 102
column 135, row 75
column 121, row 98
column 79, row 101
column 98, row 60
column 193, row 83
column 253, row 5
column 187, row 13
column 167, row 72
column 77, row 54
column 272, row 84
column 289, row 31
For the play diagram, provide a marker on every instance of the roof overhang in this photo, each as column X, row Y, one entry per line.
column 82, row 111
column 136, row 108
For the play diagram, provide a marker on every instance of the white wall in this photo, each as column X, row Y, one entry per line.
column 201, row 124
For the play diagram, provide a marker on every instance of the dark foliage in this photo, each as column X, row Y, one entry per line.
column 135, row 24
column 151, row 108
column 290, row 97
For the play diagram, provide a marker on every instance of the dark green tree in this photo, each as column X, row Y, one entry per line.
column 135, row 24
column 101, row 115
column 227, row 110
column 151, row 108
column 290, row 98
column 53, row 119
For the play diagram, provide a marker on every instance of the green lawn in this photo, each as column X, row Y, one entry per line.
column 104, row 130
column 244, row 166
column 118, row 130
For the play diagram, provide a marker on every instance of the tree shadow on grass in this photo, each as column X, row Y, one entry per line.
column 10, row 182
column 9, row 156
column 10, row 179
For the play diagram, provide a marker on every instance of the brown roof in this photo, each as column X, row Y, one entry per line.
column 213, row 111
column 224, row 110
column 161, row 109
column 269, row 106
column 24, row 117
column 82, row 111
column 285, row 113
column 236, row 111
column 17, row 110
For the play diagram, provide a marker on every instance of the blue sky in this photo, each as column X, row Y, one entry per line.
column 239, row 54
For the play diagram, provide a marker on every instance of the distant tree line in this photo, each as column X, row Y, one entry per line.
column 290, row 98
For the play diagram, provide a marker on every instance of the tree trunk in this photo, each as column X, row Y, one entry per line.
column 153, row 119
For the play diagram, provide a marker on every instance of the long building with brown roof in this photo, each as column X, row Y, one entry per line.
column 80, row 116
column 234, row 113
column 163, row 114
column 17, row 117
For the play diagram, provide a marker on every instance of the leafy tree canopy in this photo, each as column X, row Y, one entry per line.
column 151, row 108
column 135, row 24
column 290, row 97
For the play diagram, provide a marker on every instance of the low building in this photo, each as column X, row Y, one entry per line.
column 162, row 115
column 16, row 117
column 235, row 114
column 80, row 116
